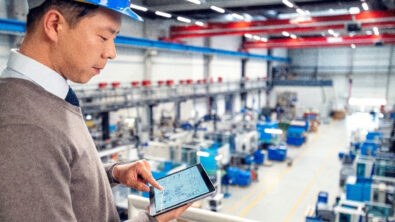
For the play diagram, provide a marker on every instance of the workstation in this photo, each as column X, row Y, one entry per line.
column 288, row 105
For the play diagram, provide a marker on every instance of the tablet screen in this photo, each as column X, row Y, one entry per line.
column 180, row 187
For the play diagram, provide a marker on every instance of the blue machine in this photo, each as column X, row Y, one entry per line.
column 236, row 176
column 374, row 136
column 264, row 136
column 259, row 157
column 278, row 153
column 358, row 189
column 369, row 148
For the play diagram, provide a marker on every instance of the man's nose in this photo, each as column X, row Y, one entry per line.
column 110, row 51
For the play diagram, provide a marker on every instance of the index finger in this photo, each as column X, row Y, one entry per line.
column 147, row 176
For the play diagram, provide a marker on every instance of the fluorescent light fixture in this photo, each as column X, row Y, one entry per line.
column 365, row 6
column 257, row 37
column 138, row 7
column 307, row 12
column 285, row 33
column 330, row 31
column 354, row 10
column 300, row 11
column 288, row 3
column 248, row 35
column 199, row 23
column 293, row 36
column 217, row 9
column 263, row 39
column 237, row 16
column 203, row 154
column 163, row 14
column 274, row 131
column 197, row 2
column 334, row 39
column 336, row 34
column 376, row 31
column 182, row 19
column 331, row 10
column 353, row 46
column 368, row 32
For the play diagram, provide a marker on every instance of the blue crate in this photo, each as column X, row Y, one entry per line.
column 295, row 141
column 323, row 197
column 374, row 135
column 237, row 176
column 277, row 153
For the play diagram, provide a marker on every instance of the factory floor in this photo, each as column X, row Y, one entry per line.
column 284, row 193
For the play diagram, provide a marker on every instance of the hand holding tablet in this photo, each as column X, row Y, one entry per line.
column 180, row 188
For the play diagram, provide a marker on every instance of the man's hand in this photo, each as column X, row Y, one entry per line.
column 136, row 175
column 173, row 214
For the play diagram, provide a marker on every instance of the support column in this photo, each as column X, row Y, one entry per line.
column 243, row 94
column 269, row 83
column 389, row 73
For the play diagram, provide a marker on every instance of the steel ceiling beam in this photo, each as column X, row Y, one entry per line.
column 367, row 19
column 314, row 42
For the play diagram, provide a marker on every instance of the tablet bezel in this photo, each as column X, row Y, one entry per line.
column 206, row 179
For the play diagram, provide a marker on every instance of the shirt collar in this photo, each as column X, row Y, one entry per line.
column 38, row 73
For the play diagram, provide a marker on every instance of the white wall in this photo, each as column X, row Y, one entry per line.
column 368, row 66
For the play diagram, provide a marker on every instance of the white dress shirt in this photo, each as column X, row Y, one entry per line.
column 24, row 67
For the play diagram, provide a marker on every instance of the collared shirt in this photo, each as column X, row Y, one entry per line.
column 24, row 67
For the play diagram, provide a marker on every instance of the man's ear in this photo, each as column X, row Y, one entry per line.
column 53, row 23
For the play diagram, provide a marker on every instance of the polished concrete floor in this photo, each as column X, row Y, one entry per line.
column 284, row 193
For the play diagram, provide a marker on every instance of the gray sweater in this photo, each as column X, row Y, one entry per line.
column 49, row 166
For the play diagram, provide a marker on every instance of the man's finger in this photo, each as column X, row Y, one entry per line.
column 142, row 187
column 147, row 176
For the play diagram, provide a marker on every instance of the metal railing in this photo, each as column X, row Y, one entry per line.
column 137, row 203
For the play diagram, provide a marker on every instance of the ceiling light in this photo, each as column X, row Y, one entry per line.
column 182, row 19
column 237, row 16
column 336, row 34
column 376, row 31
column 138, row 7
column 197, row 2
column 257, row 37
column 331, row 10
column 263, row 39
column 285, row 33
column 330, row 31
column 217, row 9
column 353, row 46
column 365, row 6
column 368, row 32
column 293, row 36
column 163, row 14
column 354, row 10
column 247, row 35
column 288, row 3
column 199, row 23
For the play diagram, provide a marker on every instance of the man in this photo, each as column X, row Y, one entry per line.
column 48, row 162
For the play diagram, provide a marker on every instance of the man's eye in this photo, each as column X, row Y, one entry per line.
column 103, row 38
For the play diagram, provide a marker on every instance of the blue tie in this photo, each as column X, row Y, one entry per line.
column 72, row 98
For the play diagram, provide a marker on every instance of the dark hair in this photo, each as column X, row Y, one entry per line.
column 71, row 10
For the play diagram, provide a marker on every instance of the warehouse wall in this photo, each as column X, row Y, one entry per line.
column 369, row 68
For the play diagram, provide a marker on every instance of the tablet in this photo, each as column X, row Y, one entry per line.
column 180, row 188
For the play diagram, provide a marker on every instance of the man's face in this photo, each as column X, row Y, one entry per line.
column 82, row 51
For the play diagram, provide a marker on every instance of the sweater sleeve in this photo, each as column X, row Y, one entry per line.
column 36, row 175
column 109, row 167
